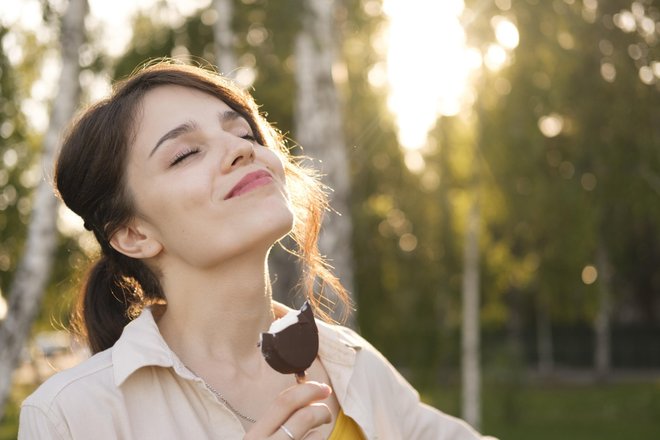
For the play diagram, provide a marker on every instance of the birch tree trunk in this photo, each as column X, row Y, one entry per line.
column 471, row 325
column 318, row 128
column 33, row 271
column 602, row 349
column 223, row 35
column 471, row 375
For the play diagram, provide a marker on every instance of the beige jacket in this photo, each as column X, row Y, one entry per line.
column 139, row 389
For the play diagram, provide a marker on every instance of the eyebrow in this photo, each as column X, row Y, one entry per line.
column 229, row 115
column 177, row 131
column 187, row 127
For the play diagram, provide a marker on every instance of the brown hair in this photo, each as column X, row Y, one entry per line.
column 90, row 179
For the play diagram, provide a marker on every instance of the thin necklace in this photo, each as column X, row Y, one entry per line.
column 222, row 399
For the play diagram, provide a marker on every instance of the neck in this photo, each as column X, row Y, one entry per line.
column 217, row 315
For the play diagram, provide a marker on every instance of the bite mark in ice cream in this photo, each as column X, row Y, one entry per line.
column 292, row 342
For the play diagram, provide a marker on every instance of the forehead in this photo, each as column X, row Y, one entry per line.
column 171, row 104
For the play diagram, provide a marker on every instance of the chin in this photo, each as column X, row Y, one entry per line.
column 266, row 218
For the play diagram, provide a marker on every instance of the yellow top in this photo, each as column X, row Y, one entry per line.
column 345, row 429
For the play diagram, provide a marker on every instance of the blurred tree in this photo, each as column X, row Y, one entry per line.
column 318, row 128
column 16, row 178
column 34, row 269
column 407, row 259
column 471, row 288
column 572, row 157
column 151, row 40
column 470, row 330
column 223, row 36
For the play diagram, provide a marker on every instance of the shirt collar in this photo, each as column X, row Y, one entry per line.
column 142, row 345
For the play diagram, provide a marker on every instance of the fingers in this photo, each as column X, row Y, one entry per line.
column 287, row 432
column 292, row 400
column 295, row 407
column 305, row 420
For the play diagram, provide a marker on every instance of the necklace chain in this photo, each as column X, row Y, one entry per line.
column 223, row 400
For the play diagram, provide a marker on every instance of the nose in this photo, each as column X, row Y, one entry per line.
column 240, row 152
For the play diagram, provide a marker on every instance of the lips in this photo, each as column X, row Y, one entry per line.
column 249, row 182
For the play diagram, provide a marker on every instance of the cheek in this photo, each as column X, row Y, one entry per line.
column 167, row 201
column 274, row 161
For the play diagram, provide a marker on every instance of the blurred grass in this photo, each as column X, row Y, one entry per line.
column 517, row 411
column 547, row 410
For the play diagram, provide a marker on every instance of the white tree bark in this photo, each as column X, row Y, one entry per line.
column 318, row 128
column 602, row 349
column 470, row 365
column 34, row 268
column 224, row 37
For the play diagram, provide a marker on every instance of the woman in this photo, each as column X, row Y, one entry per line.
column 186, row 188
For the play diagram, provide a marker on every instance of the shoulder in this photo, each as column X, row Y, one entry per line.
column 341, row 334
column 346, row 346
column 81, row 402
column 389, row 405
column 347, row 337
column 69, row 386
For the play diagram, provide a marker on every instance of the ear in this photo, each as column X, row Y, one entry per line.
column 135, row 240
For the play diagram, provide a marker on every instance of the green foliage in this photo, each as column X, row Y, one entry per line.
column 16, row 155
column 591, row 185
column 21, row 171
column 20, row 145
column 272, row 56
column 149, row 41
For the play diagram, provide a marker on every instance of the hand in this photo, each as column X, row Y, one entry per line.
column 298, row 409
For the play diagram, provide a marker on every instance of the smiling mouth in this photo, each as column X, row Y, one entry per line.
column 249, row 182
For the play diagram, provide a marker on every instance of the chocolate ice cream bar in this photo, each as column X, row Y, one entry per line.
column 292, row 342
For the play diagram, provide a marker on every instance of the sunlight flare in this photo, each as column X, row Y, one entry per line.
column 428, row 65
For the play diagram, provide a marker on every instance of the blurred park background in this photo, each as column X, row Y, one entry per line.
column 496, row 167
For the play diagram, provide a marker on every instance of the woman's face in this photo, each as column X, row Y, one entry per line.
column 203, row 188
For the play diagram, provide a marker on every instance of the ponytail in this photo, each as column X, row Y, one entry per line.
column 115, row 292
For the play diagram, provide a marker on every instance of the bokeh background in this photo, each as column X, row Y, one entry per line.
column 496, row 167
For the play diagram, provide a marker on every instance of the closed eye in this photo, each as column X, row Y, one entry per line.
column 183, row 155
column 249, row 137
